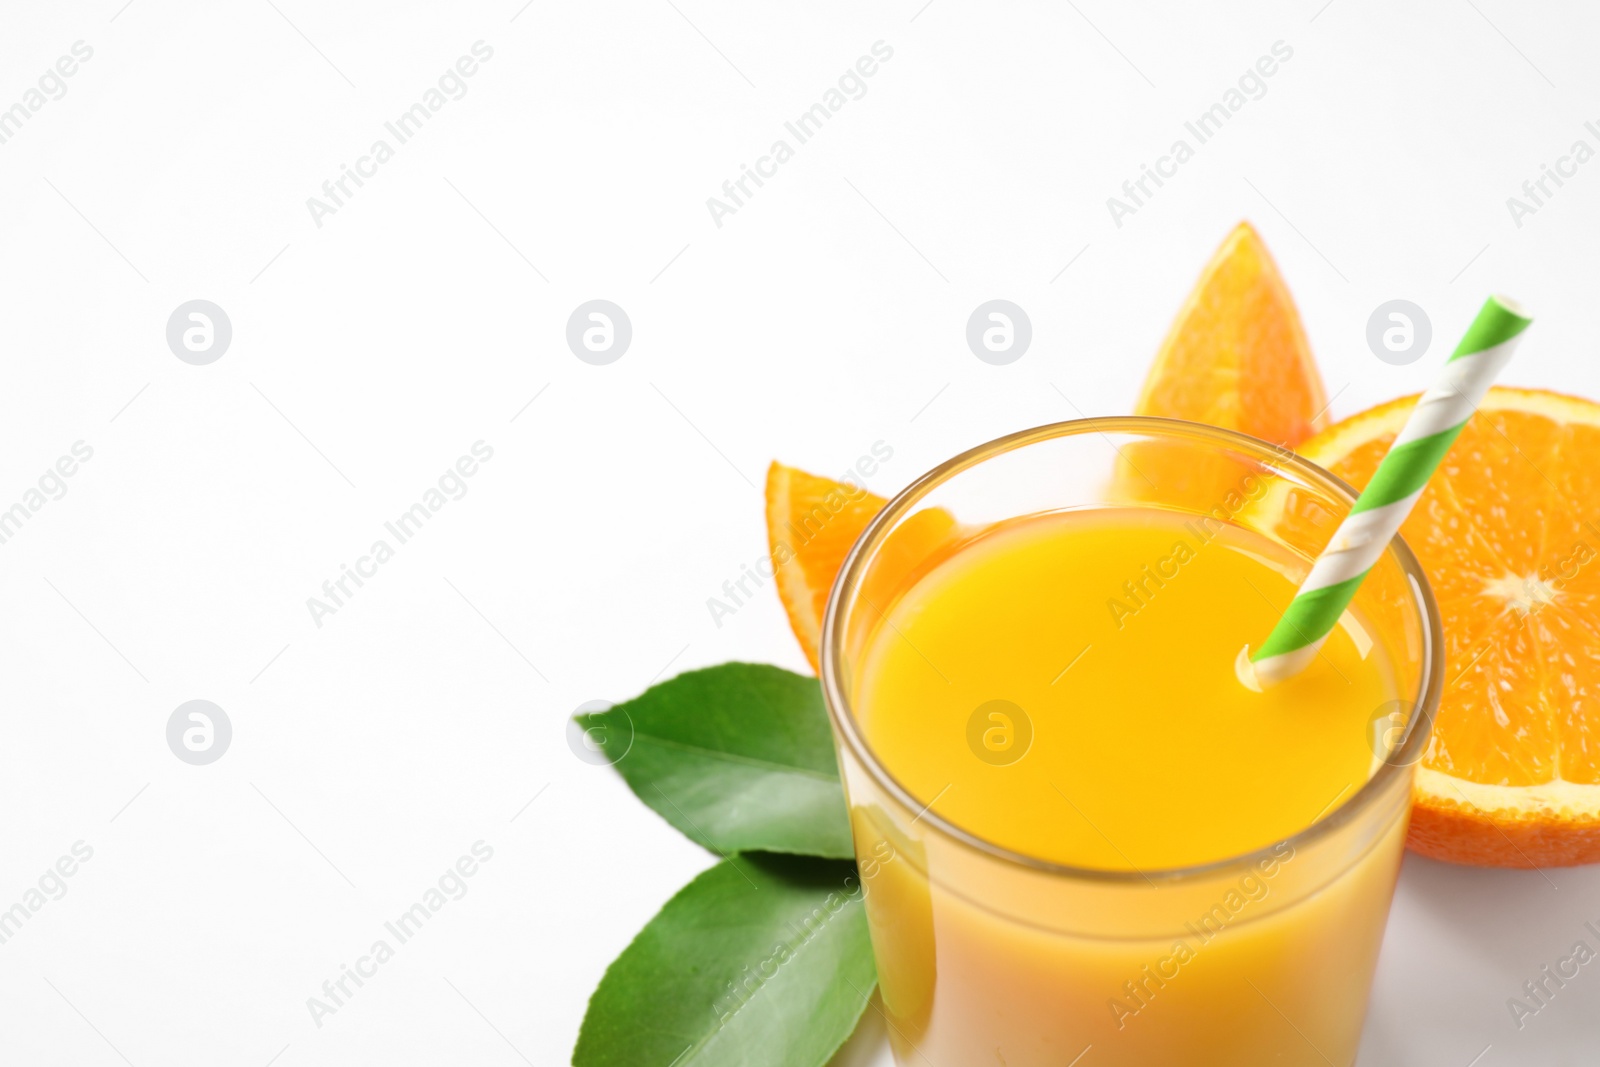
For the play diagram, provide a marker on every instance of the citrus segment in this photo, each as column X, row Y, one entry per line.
column 813, row 522
column 1236, row 355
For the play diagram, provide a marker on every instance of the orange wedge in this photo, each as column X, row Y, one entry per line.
column 1236, row 355
column 1509, row 533
column 813, row 522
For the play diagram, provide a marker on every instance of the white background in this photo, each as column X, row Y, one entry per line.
column 827, row 314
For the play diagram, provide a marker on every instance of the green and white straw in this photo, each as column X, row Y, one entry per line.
column 1380, row 509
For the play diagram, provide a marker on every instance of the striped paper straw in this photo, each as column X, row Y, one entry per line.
column 1375, row 518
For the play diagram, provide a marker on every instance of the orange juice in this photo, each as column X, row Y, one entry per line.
column 1062, row 689
column 1066, row 687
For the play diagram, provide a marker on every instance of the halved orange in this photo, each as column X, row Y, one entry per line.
column 813, row 522
column 1236, row 355
column 1509, row 533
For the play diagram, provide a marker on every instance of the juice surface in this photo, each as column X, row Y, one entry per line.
column 1126, row 740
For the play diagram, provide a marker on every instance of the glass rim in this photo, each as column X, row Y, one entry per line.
column 1399, row 762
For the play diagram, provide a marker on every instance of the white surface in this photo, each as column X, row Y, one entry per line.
column 406, row 328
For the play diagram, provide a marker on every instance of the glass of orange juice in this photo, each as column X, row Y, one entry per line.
column 1081, row 836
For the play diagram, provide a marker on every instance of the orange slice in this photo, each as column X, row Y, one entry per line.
column 1237, row 356
column 813, row 522
column 1509, row 533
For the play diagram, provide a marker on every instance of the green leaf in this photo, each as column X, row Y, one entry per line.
column 761, row 961
column 738, row 757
